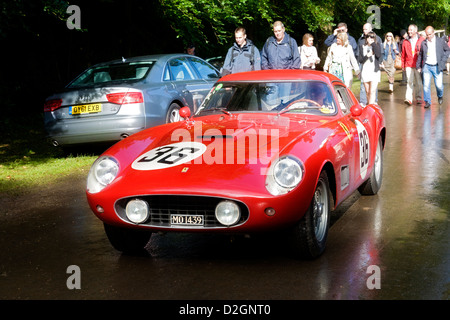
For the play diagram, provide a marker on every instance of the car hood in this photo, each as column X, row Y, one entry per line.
column 224, row 153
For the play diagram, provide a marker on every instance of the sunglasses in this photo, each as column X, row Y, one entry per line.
column 373, row 37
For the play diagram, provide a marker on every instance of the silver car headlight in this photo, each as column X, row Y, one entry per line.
column 227, row 212
column 284, row 175
column 102, row 173
column 137, row 211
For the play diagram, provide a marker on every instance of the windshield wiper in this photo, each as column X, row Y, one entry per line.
column 224, row 110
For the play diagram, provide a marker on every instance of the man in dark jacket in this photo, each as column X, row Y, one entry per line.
column 280, row 50
column 431, row 62
column 242, row 56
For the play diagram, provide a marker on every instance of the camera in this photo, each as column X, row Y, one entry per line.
column 369, row 50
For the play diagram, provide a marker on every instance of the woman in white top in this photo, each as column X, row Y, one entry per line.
column 369, row 57
column 308, row 53
column 341, row 60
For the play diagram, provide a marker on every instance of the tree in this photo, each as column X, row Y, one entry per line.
column 210, row 23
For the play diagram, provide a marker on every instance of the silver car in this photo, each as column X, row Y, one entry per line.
column 112, row 100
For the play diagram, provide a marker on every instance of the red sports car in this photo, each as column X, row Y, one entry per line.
column 266, row 150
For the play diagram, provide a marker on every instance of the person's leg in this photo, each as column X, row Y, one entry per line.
column 418, row 86
column 409, row 85
column 439, row 82
column 373, row 92
column 362, row 94
column 367, row 91
column 427, row 74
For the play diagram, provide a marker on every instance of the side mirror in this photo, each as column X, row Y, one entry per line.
column 356, row 110
column 185, row 113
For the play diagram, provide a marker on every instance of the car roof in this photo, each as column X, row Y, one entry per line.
column 280, row 75
column 153, row 57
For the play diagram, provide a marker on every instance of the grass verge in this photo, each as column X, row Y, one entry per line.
column 27, row 160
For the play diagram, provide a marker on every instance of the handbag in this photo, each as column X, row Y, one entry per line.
column 398, row 62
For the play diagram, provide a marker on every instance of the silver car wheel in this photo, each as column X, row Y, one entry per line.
column 320, row 211
column 372, row 185
column 173, row 114
column 308, row 237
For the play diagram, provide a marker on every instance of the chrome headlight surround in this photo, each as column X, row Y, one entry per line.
column 104, row 170
column 284, row 175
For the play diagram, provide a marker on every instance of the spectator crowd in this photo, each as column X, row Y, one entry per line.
column 421, row 57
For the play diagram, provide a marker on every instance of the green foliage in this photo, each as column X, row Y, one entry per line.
column 212, row 21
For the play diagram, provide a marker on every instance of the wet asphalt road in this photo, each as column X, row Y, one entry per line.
column 403, row 231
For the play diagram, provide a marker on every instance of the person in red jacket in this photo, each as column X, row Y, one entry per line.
column 410, row 52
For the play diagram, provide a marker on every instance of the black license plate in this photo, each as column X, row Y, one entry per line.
column 186, row 220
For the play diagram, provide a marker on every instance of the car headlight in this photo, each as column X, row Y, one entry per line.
column 137, row 211
column 102, row 173
column 228, row 212
column 284, row 175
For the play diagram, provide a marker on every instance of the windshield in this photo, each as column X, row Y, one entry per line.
column 111, row 73
column 313, row 97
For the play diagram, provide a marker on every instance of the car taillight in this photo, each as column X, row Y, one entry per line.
column 125, row 97
column 52, row 105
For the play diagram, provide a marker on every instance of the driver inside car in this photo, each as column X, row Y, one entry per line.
column 321, row 95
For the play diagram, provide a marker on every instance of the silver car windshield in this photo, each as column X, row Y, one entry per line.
column 312, row 97
column 111, row 73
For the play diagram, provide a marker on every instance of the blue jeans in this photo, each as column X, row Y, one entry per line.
column 428, row 72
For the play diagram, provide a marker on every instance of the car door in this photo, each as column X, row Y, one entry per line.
column 363, row 132
column 185, row 81
column 350, row 167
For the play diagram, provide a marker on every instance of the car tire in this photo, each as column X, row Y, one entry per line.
column 372, row 185
column 310, row 234
column 173, row 113
column 128, row 241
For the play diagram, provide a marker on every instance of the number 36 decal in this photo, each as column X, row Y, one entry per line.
column 364, row 148
column 169, row 156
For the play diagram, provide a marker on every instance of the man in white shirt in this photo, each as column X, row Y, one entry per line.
column 431, row 62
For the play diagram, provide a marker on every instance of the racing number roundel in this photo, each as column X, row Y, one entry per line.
column 169, row 156
column 364, row 148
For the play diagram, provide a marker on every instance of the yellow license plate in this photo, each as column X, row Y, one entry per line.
column 86, row 108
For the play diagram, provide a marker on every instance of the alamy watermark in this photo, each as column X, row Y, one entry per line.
column 74, row 21
column 74, row 280
column 374, row 280
column 375, row 18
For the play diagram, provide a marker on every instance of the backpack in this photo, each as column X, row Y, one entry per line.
column 250, row 55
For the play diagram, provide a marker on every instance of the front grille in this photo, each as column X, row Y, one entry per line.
column 163, row 206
